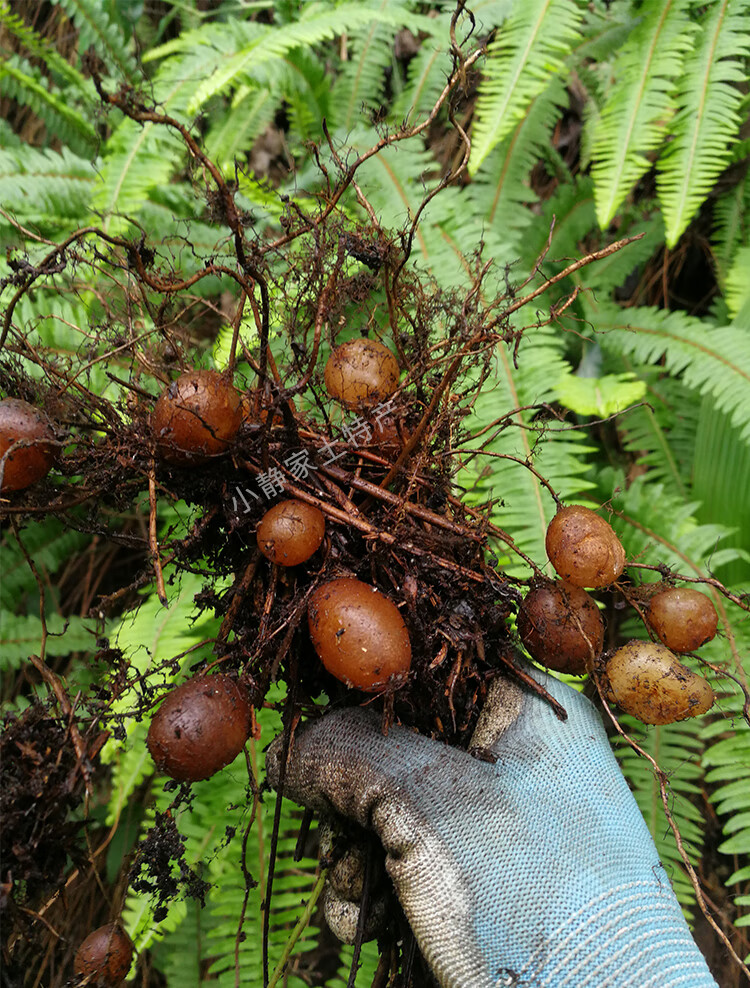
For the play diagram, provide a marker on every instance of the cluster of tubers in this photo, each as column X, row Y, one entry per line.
column 561, row 627
column 357, row 632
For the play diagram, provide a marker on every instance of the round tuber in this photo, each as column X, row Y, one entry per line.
column 649, row 682
column 27, row 430
column 684, row 619
column 561, row 627
column 361, row 373
column 105, row 956
column 359, row 634
column 199, row 728
column 290, row 532
column 583, row 548
column 196, row 418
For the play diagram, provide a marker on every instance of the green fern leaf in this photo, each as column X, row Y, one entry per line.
column 50, row 544
column 731, row 229
column 661, row 434
column 711, row 360
column 737, row 283
column 21, row 636
column 708, row 118
column 633, row 119
column 44, row 190
column 95, row 28
column 426, row 75
column 721, row 468
column 60, row 69
column 530, row 48
column 28, row 86
column 526, row 507
column 318, row 22
column 360, row 85
column 501, row 190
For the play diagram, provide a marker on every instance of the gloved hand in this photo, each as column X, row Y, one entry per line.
column 537, row 870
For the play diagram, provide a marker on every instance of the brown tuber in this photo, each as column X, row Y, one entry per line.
column 684, row 619
column 200, row 727
column 359, row 634
column 649, row 682
column 105, row 956
column 36, row 452
column 196, row 418
column 361, row 373
column 583, row 548
column 290, row 532
column 561, row 627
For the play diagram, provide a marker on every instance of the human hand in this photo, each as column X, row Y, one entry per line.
column 537, row 870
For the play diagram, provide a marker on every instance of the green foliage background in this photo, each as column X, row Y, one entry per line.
column 661, row 91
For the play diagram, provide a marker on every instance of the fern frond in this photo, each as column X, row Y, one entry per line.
column 50, row 544
column 317, row 23
column 708, row 118
column 721, row 468
column 525, row 507
column 361, row 82
column 633, row 119
column 41, row 48
column 44, row 190
column 737, row 283
column 96, row 28
column 530, row 48
column 661, row 433
column 710, row 360
column 239, row 125
column 657, row 526
column 501, row 190
column 26, row 84
column 426, row 75
column 731, row 226
column 21, row 635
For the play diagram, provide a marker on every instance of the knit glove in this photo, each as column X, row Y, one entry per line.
column 533, row 868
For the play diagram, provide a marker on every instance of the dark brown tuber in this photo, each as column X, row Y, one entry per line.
column 561, row 627
column 35, row 453
column 361, row 373
column 290, row 532
column 105, row 956
column 583, row 548
column 359, row 634
column 200, row 727
column 196, row 418
column 684, row 619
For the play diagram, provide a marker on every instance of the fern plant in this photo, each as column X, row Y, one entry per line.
column 654, row 89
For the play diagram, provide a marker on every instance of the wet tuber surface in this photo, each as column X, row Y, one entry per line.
column 561, row 627
column 684, row 619
column 105, row 956
column 196, row 418
column 23, row 424
column 583, row 548
column 359, row 634
column 361, row 373
column 291, row 532
column 200, row 727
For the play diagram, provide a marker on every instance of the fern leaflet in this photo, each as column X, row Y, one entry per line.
column 633, row 119
column 708, row 118
column 530, row 48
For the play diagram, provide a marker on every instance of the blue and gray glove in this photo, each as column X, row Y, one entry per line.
column 535, row 870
